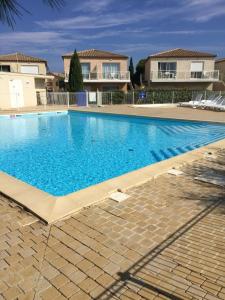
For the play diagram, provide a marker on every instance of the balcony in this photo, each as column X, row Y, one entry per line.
column 174, row 76
column 104, row 77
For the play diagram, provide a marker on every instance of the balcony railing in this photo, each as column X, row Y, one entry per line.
column 185, row 76
column 106, row 76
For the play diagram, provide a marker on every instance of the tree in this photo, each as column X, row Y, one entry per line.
column 9, row 9
column 75, row 75
column 131, row 69
column 140, row 71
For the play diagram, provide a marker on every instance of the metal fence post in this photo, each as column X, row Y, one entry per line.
column 133, row 98
column 68, row 99
column 87, row 98
column 111, row 98
column 172, row 97
column 45, row 100
column 153, row 96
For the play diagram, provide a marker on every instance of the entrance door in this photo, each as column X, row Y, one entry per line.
column 92, row 98
column 16, row 93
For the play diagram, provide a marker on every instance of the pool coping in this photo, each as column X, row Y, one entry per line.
column 51, row 208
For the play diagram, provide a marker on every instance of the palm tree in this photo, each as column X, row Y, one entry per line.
column 9, row 9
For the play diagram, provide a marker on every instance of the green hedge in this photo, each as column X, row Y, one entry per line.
column 152, row 96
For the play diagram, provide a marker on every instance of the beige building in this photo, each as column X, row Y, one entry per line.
column 22, row 81
column 181, row 69
column 102, row 70
column 220, row 65
column 56, row 84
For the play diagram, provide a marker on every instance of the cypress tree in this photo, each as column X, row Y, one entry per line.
column 131, row 69
column 75, row 75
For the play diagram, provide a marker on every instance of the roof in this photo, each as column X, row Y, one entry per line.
column 220, row 60
column 182, row 53
column 93, row 53
column 20, row 57
column 56, row 74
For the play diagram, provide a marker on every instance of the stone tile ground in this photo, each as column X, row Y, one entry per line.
column 166, row 242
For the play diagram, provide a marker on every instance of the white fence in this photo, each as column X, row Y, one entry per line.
column 129, row 98
column 107, row 98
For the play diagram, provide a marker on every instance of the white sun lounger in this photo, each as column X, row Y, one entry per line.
column 204, row 103
column 215, row 105
column 193, row 102
column 220, row 106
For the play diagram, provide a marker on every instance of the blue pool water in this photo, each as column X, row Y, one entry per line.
column 63, row 153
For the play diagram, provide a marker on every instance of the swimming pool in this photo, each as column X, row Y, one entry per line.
column 64, row 152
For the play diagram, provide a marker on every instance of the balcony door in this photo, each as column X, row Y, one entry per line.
column 197, row 69
column 85, row 70
column 111, row 70
column 167, row 70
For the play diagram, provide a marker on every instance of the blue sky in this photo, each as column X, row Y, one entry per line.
column 132, row 27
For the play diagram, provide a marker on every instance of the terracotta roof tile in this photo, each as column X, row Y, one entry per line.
column 181, row 53
column 20, row 57
column 93, row 53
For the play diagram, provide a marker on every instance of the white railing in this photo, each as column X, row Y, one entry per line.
column 105, row 76
column 184, row 76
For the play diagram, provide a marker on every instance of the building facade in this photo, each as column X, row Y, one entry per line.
column 56, row 85
column 102, row 70
column 181, row 69
column 220, row 65
column 22, row 80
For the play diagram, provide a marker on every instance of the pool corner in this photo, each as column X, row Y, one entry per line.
column 51, row 209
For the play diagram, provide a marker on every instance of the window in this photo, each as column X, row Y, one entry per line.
column 30, row 69
column 85, row 70
column 4, row 68
column 111, row 71
column 167, row 69
column 197, row 69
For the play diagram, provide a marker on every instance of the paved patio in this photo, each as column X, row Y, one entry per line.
column 166, row 242
column 162, row 112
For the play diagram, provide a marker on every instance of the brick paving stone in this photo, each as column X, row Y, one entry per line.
column 68, row 269
column 69, row 289
column 50, row 293
column 77, row 276
column 12, row 293
column 94, row 272
column 27, row 296
column 59, row 281
column 80, row 296
column 97, row 291
column 105, row 280
column 84, row 265
column 88, row 285
column 111, row 268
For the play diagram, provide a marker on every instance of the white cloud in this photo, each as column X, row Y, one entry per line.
column 105, row 20
column 203, row 10
column 93, row 5
column 40, row 37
